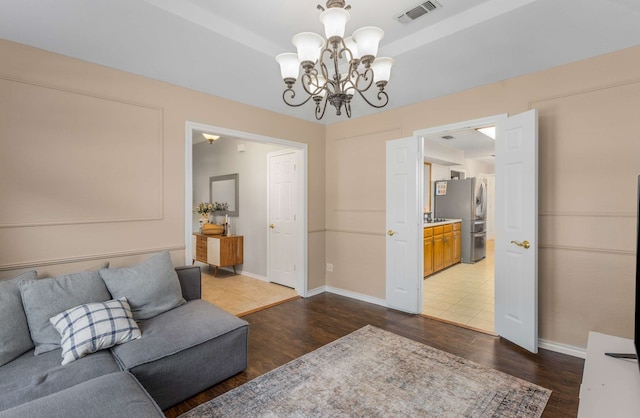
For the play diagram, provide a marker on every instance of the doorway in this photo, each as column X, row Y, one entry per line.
column 254, row 229
column 462, row 293
column 516, row 245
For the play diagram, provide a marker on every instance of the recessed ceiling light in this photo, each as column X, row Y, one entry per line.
column 489, row 131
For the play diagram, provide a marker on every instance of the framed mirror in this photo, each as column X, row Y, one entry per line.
column 225, row 189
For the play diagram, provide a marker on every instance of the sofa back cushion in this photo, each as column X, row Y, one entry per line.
column 151, row 287
column 45, row 298
column 14, row 330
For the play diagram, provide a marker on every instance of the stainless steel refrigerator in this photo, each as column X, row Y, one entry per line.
column 467, row 200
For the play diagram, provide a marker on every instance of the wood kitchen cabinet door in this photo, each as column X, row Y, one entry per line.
column 457, row 244
column 428, row 251
column 438, row 250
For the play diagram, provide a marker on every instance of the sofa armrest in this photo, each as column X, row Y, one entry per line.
column 190, row 281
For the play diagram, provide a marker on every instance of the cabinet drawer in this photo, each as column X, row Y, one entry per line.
column 448, row 228
column 457, row 226
column 437, row 230
column 428, row 232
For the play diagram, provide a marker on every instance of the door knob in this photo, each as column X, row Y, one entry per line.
column 390, row 232
column 272, row 226
column 524, row 244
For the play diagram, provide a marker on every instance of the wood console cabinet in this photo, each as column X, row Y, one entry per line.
column 218, row 250
column 442, row 247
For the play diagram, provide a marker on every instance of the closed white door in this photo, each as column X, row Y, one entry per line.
column 516, row 246
column 404, row 228
column 282, row 217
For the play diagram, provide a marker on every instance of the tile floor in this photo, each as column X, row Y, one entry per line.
column 241, row 295
column 463, row 294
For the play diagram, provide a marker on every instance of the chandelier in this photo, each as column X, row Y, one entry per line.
column 337, row 68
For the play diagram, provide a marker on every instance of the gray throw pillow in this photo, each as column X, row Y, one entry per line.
column 14, row 330
column 151, row 287
column 45, row 298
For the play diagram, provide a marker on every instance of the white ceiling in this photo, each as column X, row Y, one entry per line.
column 227, row 48
column 475, row 145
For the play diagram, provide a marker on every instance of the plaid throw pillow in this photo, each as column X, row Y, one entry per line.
column 92, row 327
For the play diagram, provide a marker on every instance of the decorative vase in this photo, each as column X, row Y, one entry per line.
column 204, row 218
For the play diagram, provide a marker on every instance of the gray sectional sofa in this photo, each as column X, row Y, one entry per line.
column 181, row 345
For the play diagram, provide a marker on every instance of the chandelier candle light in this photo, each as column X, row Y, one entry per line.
column 317, row 56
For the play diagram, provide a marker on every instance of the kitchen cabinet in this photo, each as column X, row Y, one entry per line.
column 447, row 245
column 438, row 249
column 219, row 250
column 428, row 251
column 457, row 243
column 442, row 247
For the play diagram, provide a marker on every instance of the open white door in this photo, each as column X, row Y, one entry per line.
column 516, row 248
column 282, row 190
column 404, row 228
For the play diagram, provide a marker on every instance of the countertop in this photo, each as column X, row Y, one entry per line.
column 448, row 221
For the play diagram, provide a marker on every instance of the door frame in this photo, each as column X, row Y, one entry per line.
column 302, row 241
column 450, row 128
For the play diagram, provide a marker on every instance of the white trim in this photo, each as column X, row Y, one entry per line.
column 316, row 291
column 230, row 270
column 459, row 126
column 253, row 276
column 347, row 294
column 562, row 348
column 302, row 150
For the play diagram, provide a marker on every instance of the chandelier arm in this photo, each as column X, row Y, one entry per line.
column 307, row 81
column 293, row 95
column 367, row 76
column 382, row 96
column 320, row 115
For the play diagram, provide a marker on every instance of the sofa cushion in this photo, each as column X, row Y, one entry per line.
column 185, row 350
column 88, row 328
column 30, row 377
column 151, row 287
column 112, row 395
column 14, row 330
column 45, row 298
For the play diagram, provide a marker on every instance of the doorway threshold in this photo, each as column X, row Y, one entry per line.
column 271, row 305
column 465, row 326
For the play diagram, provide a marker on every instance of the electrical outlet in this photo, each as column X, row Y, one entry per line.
column 329, row 267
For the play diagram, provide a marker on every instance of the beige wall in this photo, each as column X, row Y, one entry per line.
column 589, row 149
column 92, row 163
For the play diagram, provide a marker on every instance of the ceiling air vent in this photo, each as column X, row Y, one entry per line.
column 417, row 11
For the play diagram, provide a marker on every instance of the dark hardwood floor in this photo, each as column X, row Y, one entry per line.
column 284, row 332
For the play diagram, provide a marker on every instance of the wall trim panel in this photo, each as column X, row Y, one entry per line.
column 93, row 257
column 71, row 157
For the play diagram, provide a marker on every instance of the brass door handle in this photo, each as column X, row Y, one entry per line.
column 390, row 232
column 524, row 244
column 272, row 226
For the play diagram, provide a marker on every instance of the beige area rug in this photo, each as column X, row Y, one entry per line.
column 375, row 373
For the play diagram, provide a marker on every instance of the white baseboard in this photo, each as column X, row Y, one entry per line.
column 316, row 291
column 253, row 275
column 242, row 272
column 347, row 293
column 563, row 348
